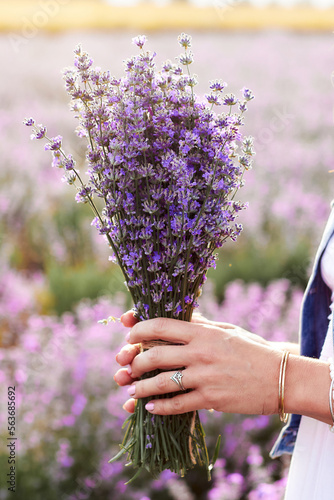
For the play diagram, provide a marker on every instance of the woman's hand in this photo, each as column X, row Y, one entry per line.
column 226, row 368
column 127, row 354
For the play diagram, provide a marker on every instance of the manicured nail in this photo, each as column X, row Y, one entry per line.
column 129, row 370
column 149, row 406
column 131, row 390
column 127, row 337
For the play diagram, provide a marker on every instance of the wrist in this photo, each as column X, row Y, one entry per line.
column 307, row 385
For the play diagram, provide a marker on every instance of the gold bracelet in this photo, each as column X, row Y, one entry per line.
column 331, row 392
column 281, row 383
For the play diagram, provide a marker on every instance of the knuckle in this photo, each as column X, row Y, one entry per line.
column 210, row 397
column 135, row 327
column 177, row 405
column 126, row 355
column 135, row 333
column 204, row 357
column 160, row 325
column 161, row 382
column 153, row 354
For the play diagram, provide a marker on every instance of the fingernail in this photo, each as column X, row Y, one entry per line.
column 127, row 337
column 131, row 390
column 149, row 406
column 129, row 370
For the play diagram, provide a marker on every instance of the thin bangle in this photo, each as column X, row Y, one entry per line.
column 331, row 392
column 281, row 386
column 331, row 397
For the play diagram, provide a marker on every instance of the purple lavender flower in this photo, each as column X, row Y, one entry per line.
column 40, row 132
column 230, row 100
column 139, row 41
column 29, row 122
column 184, row 40
column 84, row 194
column 186, row 59
column 82, row 62
column 247, row 93
column 57, row 159
column 243, row 107
column 54, row 144
column 213, row 99
column 69, row 163
column 218, row 85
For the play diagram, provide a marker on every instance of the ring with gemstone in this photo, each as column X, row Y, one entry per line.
column 177, row 378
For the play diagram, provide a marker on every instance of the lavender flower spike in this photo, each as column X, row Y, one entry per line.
column 186, row 59
column 184, row 40
column 140, row 41
column 247, row 93
column 54, row 143
column 29, row 122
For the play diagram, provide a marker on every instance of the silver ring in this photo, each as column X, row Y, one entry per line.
column 177, row 378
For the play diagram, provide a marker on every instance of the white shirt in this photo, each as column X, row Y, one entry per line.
column 311, row 472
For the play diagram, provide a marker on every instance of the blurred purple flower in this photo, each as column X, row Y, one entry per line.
column 79, row 404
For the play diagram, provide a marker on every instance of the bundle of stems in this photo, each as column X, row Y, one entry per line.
column 156, row 443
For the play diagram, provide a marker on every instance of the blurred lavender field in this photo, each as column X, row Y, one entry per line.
column 54, row 266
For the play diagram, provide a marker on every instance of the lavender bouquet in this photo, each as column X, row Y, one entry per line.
column 166, row 169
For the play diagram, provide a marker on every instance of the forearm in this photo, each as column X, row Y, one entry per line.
column 307, row 388
column 307, row 384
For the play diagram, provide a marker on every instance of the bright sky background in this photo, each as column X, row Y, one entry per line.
column 222, row 3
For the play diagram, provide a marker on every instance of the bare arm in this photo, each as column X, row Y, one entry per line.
column 307, row 388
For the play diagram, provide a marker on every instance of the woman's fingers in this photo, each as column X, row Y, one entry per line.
column 198, row 318
column 182, row 403
column 128, row 319
column 171, row 330
column 127, row 354
column 165, row 357
column 160, row 384
column 123, row 377
column 129, row 405
column 219, row 365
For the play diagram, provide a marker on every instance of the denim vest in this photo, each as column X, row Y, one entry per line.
column 313, row 329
